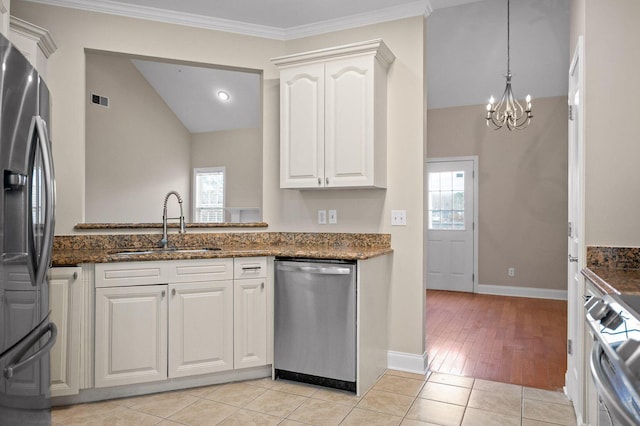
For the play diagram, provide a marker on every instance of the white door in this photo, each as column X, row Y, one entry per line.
column 131, row 335
column 348, row 123
column 450, row 225
column 250, row 322
column 575, row 327
column 65, row 294
column 302, row 127
column 200, row 327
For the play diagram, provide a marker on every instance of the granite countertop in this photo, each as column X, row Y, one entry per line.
column 104, row 249
column 614, row 270
column 621, row 281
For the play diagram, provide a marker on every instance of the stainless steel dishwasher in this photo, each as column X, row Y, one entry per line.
column 315, row 322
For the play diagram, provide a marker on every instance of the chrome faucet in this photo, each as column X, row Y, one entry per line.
column 165, row 238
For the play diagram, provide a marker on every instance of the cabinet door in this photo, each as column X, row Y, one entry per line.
column 65, row 302
column 131, row 335
column 250, row 323
column 200, row 327
column 302, row 127
column 349, row 126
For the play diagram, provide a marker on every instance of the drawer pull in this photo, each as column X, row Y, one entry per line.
column 251, row 268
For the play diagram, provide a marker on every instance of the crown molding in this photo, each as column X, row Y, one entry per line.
column 375, row 47
column 167, row 16
column 416, row 8
column 39, row 35
column 408, row 10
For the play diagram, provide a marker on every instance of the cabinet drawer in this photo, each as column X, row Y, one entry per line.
column 200, row 270
column 130, row 273
column 250, row 267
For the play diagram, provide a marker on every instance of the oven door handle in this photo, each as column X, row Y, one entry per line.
column 616, row 409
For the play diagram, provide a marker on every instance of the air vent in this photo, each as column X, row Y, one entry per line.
column 99, row 100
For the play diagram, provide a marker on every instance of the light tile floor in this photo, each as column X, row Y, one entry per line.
column 396, row 399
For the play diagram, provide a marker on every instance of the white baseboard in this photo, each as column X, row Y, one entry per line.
column 536, row 293
column 411, row 363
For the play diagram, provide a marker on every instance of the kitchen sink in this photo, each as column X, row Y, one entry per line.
column 165, row 250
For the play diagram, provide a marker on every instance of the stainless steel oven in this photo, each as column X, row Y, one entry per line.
column 615, row 357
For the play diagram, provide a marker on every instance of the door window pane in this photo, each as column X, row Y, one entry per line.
column 446, row 200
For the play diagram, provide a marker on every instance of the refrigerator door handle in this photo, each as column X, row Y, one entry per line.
column 39, row 269
column 16, row 364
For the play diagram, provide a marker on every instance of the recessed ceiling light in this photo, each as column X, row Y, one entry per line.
column 223, row 96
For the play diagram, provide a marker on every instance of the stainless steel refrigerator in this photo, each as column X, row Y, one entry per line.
column 26, row 236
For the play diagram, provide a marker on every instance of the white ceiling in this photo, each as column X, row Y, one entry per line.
column 191, row 93
column 467, row 51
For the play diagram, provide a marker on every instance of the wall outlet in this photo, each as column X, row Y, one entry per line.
column 398, row 217
column 322, row 217
column 511, row 272
column 333, row 217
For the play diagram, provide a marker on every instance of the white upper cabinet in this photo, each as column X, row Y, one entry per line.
column 333, row 117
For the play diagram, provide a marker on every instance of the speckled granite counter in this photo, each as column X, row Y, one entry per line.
column 614, row 269
column 76, row 249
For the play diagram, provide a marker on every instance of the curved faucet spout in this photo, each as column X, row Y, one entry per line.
column 165, row 238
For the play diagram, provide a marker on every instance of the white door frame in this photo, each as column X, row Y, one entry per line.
column 473, row 158
column 577, row 362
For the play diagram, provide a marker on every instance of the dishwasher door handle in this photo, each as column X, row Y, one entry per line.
column 321, row 270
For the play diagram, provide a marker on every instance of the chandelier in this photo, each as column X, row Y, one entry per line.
column 508, row 112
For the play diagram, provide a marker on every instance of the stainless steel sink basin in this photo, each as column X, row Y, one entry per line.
column 164, row 251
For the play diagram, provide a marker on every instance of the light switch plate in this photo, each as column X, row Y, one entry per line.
column 333, row 217
column 398, row 217
column 322, row 217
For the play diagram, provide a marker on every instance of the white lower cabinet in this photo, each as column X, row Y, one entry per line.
column 200, row 328
column 131, row 335
column 65, row 303
column 250, row 323
column 183, row 318
column 250, row 313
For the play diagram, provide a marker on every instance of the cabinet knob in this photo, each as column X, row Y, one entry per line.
column 163, row 293
column 319, row 181
column 326, row 180
column 173, row 292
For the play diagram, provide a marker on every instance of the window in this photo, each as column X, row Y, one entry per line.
column 446, row 200
column 208, row 194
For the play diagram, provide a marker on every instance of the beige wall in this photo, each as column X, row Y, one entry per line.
column 612, row 148
column 240, row 152
column 74, row 31
column 284, row 210
column 370, row 210
column 522, row 190
column 136, row 149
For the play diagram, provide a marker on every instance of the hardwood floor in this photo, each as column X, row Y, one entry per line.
column 505, row 339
